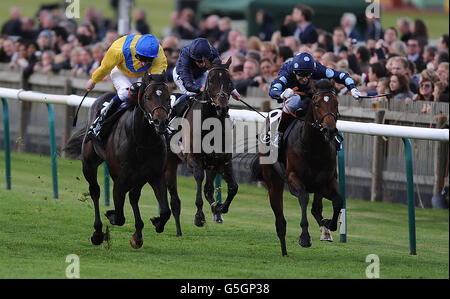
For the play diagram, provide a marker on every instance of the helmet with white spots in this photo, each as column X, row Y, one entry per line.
column 304, row 64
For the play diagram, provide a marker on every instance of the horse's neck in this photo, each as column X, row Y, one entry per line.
column 143, row 133
column 312, row 137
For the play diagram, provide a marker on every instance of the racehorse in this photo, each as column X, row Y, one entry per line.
column 135, row 153
column 211, row 104
column 310, row 166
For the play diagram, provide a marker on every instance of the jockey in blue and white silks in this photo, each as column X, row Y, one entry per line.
column 298, row 73
column 190, row 72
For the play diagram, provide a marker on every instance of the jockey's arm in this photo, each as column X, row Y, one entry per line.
column 278, row 85
column 159, row 64
column 110, row 60
column 339, row 77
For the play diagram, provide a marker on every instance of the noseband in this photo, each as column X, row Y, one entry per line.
column 149, row 115
column 317, row 123
column 222, row 94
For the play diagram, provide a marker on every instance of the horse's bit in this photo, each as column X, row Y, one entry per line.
column 318, row 121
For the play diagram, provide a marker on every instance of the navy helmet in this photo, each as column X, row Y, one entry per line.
column 200, row 49
column 303, row 64
column 147, row 48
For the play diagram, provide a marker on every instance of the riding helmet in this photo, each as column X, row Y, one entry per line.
column 304, row 64
column 147, row 46
column 200, row 49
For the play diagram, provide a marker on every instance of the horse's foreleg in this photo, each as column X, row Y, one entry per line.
column 316, row 211
column 337, row 203
column 199, row 175
column 297, row 189
column 175, row 203
column 116, row 216
column 136, row 239
column 208, row 190
column 232, row 186
column 160, row 189
column 90, row 166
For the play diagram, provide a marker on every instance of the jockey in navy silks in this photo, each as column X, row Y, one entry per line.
column 190, row 71
column 298, row 73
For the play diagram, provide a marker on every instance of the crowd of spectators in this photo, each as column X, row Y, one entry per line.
column 399, row 60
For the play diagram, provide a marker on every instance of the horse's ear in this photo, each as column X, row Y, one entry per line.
column 147, row 78
column 228, row 63
column 208, row 64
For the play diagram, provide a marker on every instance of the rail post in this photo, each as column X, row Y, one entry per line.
column 6, row 140
column 106, row 175
column 51, row 127
column 410, row 193
column 218, row 184
column 341, row 168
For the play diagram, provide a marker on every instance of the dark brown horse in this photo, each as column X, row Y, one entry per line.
column 210, row 105
column 310, row 166
column 135, row 152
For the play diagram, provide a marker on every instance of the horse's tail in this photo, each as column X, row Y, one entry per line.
column 75, row 142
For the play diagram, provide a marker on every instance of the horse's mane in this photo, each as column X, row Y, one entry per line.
column 324, row 85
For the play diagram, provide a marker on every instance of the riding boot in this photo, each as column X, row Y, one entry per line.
column 107, row 111
column 338, row 140
column 285, row 120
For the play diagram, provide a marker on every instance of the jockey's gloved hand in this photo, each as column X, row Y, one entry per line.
column 235, row 94
column 287, row 93
column 356, row 93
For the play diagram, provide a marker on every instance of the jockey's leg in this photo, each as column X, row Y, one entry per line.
column 107, row 111
column 285, row 120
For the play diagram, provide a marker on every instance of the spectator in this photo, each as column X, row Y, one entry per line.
column 339, row 39
column 428, row 56
column 382, row 88
column 232, row 36
column 252, row 54
column 318, row 53
column 325, row 40
column 46, row 62
column 390, row 37
column 284, row 53
column 75, row 59
column 420, row 32
column 404, row 28
column 398, row 48
column 399, row 88
column 269, row 50
column 110, row 37
column 59, row 38
column 427, row 80
column 442, row 56
column 443, row 73
column 13, row 25
column 171, row 46
column 222, row 44
column 27, row 32
column 376, row 72
column 374, row 29
column 21, row 59
column 62, row 60
column 264, row 21
column 211, row 30
column 414, row 54
column 185, row 25
column 293, row 43
column 98, row 52
column 299, row 25
column 443, row 42
column 241, row 44
column 267, row 75
column 141, row 24
column 399, row 66
column 86, row 62
column 348, row 23
column 6, row 50
column 250, row 71
column 254, row 43
column 439, row 89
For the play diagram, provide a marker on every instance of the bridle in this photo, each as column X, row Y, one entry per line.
column 221, row 94
column 149, row 115
column 317, row 123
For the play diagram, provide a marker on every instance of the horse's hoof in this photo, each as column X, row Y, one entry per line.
column 157, row 223
column 217, row 218
column 199, row 219
column 136, row 242
column 113, row 219
column 305, row 241
column 326, row 234
column 224, row 209
column 97, row 238
column 329, row 224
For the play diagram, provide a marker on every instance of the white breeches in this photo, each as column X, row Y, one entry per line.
column 122, row 82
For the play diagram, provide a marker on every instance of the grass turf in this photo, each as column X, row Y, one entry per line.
column 38, row 232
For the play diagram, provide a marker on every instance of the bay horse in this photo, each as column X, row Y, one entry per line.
column 211, row 104
column 310, row 167
column 135, row 153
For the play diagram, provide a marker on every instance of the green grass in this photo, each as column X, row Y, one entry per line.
column 158, row 11
column 37, row 232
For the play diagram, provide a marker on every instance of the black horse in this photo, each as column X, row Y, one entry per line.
column 211, row 104
column 310, row 167
column 135, row 152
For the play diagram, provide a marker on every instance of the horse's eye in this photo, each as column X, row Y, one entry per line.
column 317, row 104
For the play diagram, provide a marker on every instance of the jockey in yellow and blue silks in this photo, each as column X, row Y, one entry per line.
column 127, row 61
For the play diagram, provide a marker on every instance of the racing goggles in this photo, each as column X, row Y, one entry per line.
column 303, row 73
column 144, row 59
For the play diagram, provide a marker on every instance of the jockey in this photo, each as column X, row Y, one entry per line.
column 297, row 73
column 126, row 61
column 190, row 72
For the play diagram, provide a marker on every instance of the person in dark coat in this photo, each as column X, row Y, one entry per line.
column 299, row 25
column 265, row 22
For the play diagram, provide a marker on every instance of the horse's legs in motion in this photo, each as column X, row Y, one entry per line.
column 316, row 211
column 90, row 165
column 160, row 189
column 171, row 179
column 199, row 175
column 232, row 186
column 116, row 216
column 208, row 190
column 337, row 203
column 136, row 240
